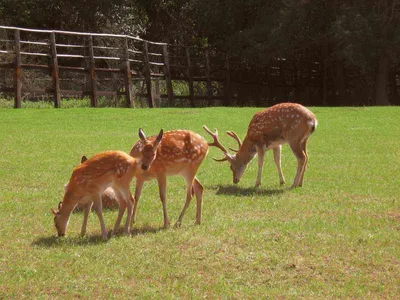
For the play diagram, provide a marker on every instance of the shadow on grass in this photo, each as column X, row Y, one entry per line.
column 237, row 190
column 54, row 241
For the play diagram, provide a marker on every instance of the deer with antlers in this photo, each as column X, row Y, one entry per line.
column 181, row 152
column 109, row 172
column 282, row 123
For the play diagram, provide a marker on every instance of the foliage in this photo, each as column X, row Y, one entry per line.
column 336, row 237
column 362, row 36
column 108, row 16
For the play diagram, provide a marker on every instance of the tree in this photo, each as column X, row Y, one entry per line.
column 370, row 32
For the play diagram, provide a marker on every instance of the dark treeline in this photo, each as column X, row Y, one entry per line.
column 349, row 48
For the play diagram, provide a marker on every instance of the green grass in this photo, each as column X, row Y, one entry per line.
column 336, row 237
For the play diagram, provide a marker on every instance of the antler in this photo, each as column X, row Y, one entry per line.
column 235, row 137
column 217, row 143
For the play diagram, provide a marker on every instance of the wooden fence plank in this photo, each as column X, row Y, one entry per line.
column 55, row 71
column 167, row 72
column 17, row 76
column 92, row 72
column 228, row 93
column 127, row 76
column 209, row 86
column 190, row 77
column 147, row 76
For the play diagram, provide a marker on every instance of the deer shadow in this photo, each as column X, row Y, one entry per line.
column 237, row 190
column 88, row 239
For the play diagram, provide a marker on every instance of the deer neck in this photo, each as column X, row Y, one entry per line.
column 247, row 151
column 68, row 205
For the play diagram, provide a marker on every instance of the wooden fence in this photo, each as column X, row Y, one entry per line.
column 94, row 55
column 59, row 64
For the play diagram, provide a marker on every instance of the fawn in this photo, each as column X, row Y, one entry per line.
column 90, row 179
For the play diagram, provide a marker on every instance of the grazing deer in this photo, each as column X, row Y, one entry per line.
column 111, row 194
column 282, row 123
column 89, row 180
column 181, row 152
column 109, row 198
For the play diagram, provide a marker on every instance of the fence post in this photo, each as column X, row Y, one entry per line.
column 227, row 99
column 167, row 74
column 92, row 72
column 147, row 75
column 55, row 73
column 209, row 86
column 17, row 77
column 127, row 75
column 190, row 77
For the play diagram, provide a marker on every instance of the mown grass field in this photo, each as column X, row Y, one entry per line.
column 338, row 236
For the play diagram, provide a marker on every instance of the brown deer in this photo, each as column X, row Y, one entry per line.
column 89, row 180
column 112, row 193
column 181, row 152
column 109, row 198
column 282, row 123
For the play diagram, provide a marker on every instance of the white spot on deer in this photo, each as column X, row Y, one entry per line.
column 182, row 159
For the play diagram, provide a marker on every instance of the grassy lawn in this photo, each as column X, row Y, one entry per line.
column 337, row 236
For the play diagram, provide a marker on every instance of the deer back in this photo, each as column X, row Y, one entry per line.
column 178, row 150
column 101, row 171
column 281, row 123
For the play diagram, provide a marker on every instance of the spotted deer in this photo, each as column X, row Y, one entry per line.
column 112, row 192
column 282, row 123
column 109, row 198
column 89, row 180
column 181, row 152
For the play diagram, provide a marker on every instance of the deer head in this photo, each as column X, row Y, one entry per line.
column 58, row 223
column 238, row 162
column 149, row 151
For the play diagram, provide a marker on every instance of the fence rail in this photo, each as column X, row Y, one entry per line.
column 135, row 62
column 97, row 64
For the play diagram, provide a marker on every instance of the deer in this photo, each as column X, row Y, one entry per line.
column 109, row 195
column 180, row 152
column 283, row 123
column 115, row 187
column 109, row 198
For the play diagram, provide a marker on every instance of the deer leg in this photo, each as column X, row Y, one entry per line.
column 138, row 193
column 198, row 190
column 121, row 211
column 162, row 187
column 127, row 197
column 301, row 161
column 304, row 147
column 98, row 206
column 277, row 158
column 86, row 212
column 189, row 184
column 261, row 155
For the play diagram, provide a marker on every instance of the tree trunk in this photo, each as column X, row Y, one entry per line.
column 394, row 95
column 340, row 84
column 381, row 82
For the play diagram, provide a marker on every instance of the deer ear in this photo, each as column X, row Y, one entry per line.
column 142, row 136
column 53, row 211
column 59, row 205
column 159, row 138
column 83, row 159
